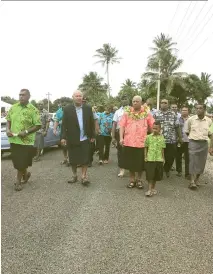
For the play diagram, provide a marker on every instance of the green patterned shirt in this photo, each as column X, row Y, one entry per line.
column 23, row 117
column 155, row 144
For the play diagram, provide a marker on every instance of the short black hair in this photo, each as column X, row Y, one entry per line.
column 201, row 104
column 157, row 123
column 26, row 90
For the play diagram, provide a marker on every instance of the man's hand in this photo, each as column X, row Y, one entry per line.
column 145, row 159
column 211, row 151
column 63, row 142
column 121, row 142
column 22, row 134
column 44, row 133
column 9, row 133
column 92, row 140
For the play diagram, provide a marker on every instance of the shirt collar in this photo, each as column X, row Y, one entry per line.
column 27, row 105
column 197, row 118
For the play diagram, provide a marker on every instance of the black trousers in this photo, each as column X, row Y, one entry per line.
column 119, row 149
column 92, row 151
column 170, row 155
column 104, row 147
column 183, row 150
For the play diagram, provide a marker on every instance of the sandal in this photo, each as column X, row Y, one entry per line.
column 139, row 184
column 154, row 192
column 149, row 193
column 73, row 180
column 85, row 181
column 18, row 186
column 26, row 179
column 64, row 162
column 131, row 185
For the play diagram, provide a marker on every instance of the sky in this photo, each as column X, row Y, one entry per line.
column 49, row 46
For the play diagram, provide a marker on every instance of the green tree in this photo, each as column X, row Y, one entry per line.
column 107, row 55
column 93, row 88
column 128, row 88
column 57, row 102
column 200, row 88
column 33, row 102
column 9, row 100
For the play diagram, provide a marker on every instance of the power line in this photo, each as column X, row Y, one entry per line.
column 201, row 45
column 199, row 33
column 201, row 20
column 190, row 15
column 184, row 17
column 174, row 15
column 190, row 28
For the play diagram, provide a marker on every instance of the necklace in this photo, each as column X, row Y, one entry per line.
column 141, row 114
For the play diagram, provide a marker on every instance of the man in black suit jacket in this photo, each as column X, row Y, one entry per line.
column 78, row 131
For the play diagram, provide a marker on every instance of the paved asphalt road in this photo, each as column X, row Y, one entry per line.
column 53, row 227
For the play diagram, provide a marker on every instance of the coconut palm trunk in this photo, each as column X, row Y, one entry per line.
column 107, row 71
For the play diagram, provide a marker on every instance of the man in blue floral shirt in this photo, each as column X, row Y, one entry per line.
column 171, row 132
column 105, row 120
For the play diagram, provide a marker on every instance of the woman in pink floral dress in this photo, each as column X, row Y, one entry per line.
column 136, row 122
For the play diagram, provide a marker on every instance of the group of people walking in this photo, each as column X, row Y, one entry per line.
column 147, row 140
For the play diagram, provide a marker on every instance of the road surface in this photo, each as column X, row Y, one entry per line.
column 52, row 227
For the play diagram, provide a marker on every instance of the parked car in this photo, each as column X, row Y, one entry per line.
column 49, row 141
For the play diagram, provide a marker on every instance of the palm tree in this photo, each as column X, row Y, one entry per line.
column 200, row 88
column 107, row 55
column 169, row 75
column 128, row 83
column 93, row 88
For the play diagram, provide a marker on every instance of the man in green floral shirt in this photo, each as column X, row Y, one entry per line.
column 154, row 157
column 23, row 120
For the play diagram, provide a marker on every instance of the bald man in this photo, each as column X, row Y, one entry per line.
column 78, row 131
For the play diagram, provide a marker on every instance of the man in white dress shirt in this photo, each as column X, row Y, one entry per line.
column 115, row 132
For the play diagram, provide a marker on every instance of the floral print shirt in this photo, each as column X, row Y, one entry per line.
column 105, row 123
column 23, row 117
column 135, row 131
column 169, row 123
column 155, row 144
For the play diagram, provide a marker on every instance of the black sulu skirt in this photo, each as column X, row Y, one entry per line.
column 79, row 154
column 22, row 156
column 133, row 159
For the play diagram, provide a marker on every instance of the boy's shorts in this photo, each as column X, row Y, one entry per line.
column 154, row 171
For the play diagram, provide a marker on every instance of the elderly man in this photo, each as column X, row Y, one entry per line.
column 134, row 126
column 171, row 131
column 42, row 132
column 197, row 128
column 78, row 130
column 23, row 120
column 115, row 132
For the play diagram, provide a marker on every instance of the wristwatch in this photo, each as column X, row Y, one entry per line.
column 26, row 131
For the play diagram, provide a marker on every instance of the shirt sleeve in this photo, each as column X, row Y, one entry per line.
column 95, row 116
column 123, row 121
column 150, row 120
column 8, row 117
column 58, row 116
column 115, row 117
column 187, row 126
column 36, row 118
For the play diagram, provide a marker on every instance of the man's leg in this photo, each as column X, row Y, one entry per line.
column 170, row 153
column 178, row 159
column 107, row 142
column 18, row 185
column 74, row 176
column 101, row 148
column 186, row 157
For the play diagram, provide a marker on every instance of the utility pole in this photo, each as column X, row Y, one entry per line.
column 158, row 90
column 48, row 98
